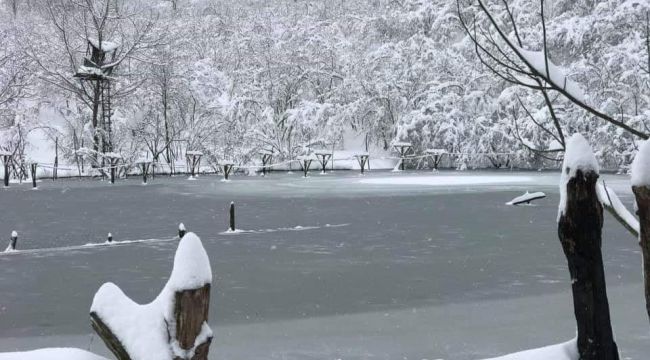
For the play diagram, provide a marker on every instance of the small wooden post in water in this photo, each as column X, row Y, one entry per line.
column 181, row 230
column 13, row 240
column 402, row 148
column 33, row 167
column 55, row 169
column 232, row 216
column 6, row 162
column 305, row 163
column 323, row 159
column 580, row 225
column 109, row 238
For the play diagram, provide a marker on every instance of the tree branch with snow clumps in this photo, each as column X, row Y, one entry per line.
column 171, row 327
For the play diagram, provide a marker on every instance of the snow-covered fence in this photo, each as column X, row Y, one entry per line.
column 174, row 325
column 580, row 222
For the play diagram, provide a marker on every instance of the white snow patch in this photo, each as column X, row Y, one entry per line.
column 445, row 180
column 608, row 197
column 527, row 197
column 578, row 156
column 565, row 351
column 641, row 166
column 14, row 234
column 51, row 354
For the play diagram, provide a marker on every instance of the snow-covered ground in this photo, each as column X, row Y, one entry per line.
column 419, row 272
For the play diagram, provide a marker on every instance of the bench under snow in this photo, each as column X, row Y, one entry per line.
column 526, row 198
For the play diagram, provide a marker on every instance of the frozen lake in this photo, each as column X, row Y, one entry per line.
column 385, row 266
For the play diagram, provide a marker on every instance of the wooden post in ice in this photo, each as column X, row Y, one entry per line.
column 6, row 160
column 580, row 222
column 173, row 326
column 181, row 230
column 33, row 167
column 227, row 168
column 641, row 189
column 13, row 240
column 363, row 160
column 55, row 169
column 109, row 238
column 232, row 216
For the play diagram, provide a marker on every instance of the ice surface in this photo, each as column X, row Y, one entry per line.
column 446, row 180
column 641, row 166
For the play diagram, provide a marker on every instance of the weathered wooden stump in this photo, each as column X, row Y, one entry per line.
column 6, row 162
column 109, row 238
column 641, row 189
column 33, row 167
column 173, row 326
column 580, row 222
column 232, row 217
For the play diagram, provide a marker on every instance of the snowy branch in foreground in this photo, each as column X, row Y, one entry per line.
column 614, row 206
column 174, row 325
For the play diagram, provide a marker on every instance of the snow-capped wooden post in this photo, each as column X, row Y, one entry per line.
column 323, row 158
column 580, row 222
column 641, row 189
column 13, row 240
column 363, row 160
column 6, row 161
column 181, row 230
column 109, row 238
column 174, row 325
column 32, row 168
column 232, row 216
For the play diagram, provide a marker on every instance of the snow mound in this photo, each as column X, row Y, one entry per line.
column 578, row 156
column 143, row 329
column 51, row 354
column 565, row 351
column 641, row 166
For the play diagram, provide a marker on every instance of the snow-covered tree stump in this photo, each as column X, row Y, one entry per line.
column 641, row 189
column 173, row 326
column 580, row 222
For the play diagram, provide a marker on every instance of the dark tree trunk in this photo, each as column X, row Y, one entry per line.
column 642, row 194
column 580, row 230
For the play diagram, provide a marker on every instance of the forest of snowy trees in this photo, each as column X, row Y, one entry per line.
column 231, row 77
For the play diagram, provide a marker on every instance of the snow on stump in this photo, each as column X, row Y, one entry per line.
column 641, row 189
column 171, row 327
column 12, row 242
column 526, row 198
column 580, row 222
